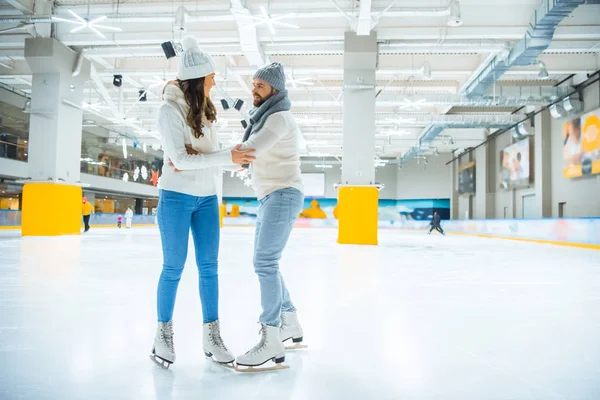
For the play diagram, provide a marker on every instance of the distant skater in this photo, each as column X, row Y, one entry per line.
column 435, row 223
column 128, row 217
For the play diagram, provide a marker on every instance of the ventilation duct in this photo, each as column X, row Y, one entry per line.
column 557, row 110
column 537, row 39
column 572, row 105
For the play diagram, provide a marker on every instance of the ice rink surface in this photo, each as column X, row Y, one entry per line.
column 417, row 317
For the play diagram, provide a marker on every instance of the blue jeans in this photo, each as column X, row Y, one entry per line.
column 178, row 213
column 276, row 216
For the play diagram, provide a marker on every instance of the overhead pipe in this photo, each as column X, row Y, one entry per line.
column 226, row 16
column 538, row 38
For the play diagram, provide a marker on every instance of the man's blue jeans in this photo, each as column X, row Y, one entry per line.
column 276, row 216
column 177, row 214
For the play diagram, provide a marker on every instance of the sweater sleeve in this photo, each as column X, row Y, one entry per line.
column 172, row 131
column 275, row 126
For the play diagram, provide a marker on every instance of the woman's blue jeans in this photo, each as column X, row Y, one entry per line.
column 177, row 214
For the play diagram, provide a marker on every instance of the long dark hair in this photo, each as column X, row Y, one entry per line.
column 199, row 104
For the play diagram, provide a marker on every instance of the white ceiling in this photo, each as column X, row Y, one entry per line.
column 411, row 33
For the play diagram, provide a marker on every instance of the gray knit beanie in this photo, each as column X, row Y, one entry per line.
column 273, row 74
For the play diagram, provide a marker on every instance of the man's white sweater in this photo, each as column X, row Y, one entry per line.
column 277, row 164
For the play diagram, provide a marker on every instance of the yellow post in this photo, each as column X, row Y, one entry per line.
column 51, row 209
column 358, row 215
column 222, row 213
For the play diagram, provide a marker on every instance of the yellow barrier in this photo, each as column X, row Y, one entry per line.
column 358, row 215
column 51, row 209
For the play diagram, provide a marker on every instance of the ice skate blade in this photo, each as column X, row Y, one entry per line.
column 230, row 365
column 276, row 367
column 296, row 346
column 164, row 364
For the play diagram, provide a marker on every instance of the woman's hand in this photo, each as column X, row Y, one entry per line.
column 242, row 157
column 190, row 150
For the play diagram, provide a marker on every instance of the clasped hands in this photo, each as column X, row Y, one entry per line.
column 238, row 156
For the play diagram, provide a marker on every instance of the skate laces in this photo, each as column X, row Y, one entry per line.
column 261, row 345
column 215, row 336
column 166, row 335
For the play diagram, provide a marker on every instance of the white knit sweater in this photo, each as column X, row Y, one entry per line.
column 199, row 174
column 277, row 164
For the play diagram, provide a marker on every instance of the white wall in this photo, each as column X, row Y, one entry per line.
column 116, row 185
column 425, row 181
column 12, row 168
column 582, row 195
column 234, row 187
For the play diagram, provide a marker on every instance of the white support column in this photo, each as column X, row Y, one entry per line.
column 55, row 127
column 454, row 191
column 358, row 197
column 52, row 200
column 543, row 164
column 360, row 63
column 481, row 173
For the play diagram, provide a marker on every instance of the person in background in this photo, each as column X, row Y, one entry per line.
column 435, row 223
column 128, row 217
column 87, row 210
column 119, row 221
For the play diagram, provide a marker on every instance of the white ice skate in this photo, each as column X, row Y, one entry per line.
column 214, row 348
column 163, row 352
column 291, row 329
column 270, row 348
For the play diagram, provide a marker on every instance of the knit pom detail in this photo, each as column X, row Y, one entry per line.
column 190, row 42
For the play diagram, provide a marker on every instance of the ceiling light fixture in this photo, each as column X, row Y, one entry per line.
column 408, row 104
column 87, row 23
column 400, row 120
column 543, row 74
column 426, row 71
column 299, row 81
column 454, row 19
column 271, row 21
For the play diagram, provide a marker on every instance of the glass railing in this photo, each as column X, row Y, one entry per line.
column 14, row 151
column 138, row 173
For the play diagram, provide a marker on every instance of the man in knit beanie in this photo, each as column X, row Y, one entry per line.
column 274, row 135
column 272, row 75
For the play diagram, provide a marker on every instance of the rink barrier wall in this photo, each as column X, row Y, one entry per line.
column 12, row 220
column 578, row 232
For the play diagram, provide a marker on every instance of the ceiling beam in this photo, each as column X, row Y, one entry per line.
column 363, row 22
column 24, row 6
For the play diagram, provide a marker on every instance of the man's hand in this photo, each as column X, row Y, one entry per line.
column 242, row 157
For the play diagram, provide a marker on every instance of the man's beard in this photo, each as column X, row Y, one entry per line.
column 258, row 101
column 261, row 100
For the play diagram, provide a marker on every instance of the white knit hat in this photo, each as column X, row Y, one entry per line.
column 194, row 62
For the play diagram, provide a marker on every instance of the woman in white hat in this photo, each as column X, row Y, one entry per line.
column 188, row 198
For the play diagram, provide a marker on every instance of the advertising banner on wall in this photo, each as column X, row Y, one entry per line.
column 466, row 179
column 581, row 145
column 515, row 166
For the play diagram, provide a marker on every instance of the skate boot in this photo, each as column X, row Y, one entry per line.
column 163, row 352
column 291, row 329
column 214, row 348
column 270, row 348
